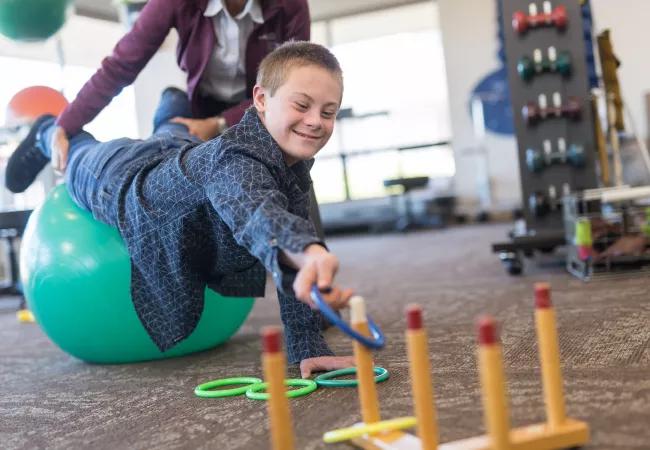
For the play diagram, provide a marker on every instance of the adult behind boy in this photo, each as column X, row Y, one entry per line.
column 220, row 212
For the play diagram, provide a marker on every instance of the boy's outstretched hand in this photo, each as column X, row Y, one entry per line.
column 324, row 363
column 318, row 266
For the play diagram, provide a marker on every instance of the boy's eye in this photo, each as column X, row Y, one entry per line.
column 301, row 105
column 328, row 114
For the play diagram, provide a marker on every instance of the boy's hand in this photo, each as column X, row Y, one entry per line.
column 59, row 145
column 203, row 129
column 318, row 266
column 324, row 363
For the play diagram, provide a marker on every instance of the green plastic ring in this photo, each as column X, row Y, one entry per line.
column 325, row 379
column 203, row 390
column 308, row 387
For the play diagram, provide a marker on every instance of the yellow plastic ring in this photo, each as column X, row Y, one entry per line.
column 345, row 434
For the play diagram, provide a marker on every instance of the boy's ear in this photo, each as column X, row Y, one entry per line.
column 259, row 98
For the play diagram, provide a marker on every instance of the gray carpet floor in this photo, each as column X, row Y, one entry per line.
column 51, row 400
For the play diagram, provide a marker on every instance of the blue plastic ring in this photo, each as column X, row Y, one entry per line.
column 376, row 343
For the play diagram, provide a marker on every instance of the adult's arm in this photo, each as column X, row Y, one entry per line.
column 297, row 28
column 120, row 69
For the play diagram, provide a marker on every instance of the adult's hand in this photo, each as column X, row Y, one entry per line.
column 59, row 146
column 203, row 129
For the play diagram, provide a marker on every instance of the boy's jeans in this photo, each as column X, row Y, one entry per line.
column 87, row 157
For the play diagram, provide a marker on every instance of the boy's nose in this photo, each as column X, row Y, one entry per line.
column 312, row 119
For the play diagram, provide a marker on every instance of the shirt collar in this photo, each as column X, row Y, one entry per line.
column 252, row 7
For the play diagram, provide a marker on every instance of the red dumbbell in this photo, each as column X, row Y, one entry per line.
column 534, row 112
column 556, row 17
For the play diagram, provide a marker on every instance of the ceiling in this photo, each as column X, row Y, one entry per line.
column 320, row 9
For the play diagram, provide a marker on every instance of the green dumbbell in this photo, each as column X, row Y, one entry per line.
column 537, row 160
column 576, row 155
column 555, row 62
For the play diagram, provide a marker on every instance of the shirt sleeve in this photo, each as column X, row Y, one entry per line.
column 247, row 197
column 120, row 69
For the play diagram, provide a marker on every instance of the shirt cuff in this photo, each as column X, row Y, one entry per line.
column 283, row 276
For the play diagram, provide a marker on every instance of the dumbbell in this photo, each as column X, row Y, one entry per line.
column 538, row 204
column 557, row 17
column 534, row 112
column 536, row 160
column 541, row 204
column 555, row 62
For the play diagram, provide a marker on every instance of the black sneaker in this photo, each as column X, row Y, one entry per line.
column 26, row 162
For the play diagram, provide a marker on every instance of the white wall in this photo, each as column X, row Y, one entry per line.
column 471, row 53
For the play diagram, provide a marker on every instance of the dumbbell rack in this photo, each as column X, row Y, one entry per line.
column 542, row 190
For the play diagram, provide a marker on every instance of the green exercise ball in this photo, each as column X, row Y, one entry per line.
column 32, row 20
column 76, row 277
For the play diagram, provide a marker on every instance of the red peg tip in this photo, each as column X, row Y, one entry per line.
column 271, row 339
column 414, row 317
column 542, row 295
column 487, row 331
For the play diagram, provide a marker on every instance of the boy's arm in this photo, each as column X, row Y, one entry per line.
column 120, row 69
column 247, row 197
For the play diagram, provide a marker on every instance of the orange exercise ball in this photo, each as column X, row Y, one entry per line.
column 30, row 103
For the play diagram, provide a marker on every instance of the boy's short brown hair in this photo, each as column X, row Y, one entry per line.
column 275, row 67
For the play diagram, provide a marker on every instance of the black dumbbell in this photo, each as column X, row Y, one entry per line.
column 538, row 204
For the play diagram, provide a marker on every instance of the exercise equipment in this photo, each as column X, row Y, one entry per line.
column 550, row 17
column 32, row 102
column 539, row 204
column 549, row 107
column 537, row 160
column 554, row 63
column 533, row 112
column 32, row 20
column 76, row 275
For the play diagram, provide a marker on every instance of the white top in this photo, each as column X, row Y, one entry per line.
column 225, row 75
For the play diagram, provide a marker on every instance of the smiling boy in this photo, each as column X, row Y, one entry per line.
column 221, row 212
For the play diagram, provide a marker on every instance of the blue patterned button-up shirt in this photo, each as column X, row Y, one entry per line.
column 213, row 214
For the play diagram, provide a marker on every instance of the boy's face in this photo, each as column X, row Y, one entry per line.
column 300, row 115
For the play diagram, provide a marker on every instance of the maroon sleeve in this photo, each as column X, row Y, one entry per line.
column 120, row 69
column 298, row 28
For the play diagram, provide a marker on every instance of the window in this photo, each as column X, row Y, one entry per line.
column 395, row 97
column 118, row 119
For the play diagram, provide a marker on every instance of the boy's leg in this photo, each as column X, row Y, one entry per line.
column 26, row 162
column 34, row 152
column 173, row 103
column 302, row 327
